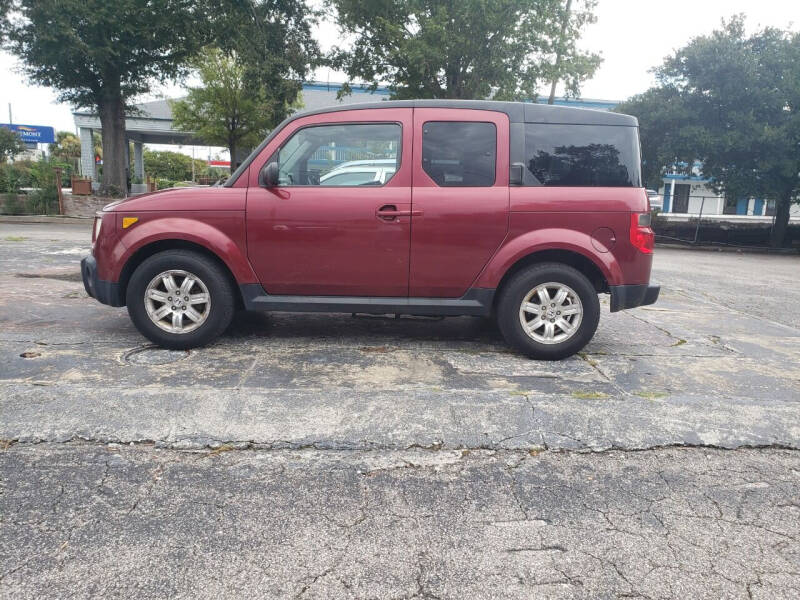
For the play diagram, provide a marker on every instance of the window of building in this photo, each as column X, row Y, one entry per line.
column 459, row 153
column 583, row 155
column 312, row 153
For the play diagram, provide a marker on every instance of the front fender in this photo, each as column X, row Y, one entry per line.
column 222, row 233
column 525, row 244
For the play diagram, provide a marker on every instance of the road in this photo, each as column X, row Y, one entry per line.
column 335, row 456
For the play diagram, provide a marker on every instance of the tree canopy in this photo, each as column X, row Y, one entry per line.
column 501, row 49
column 732, row 101
column 175, row 166
column 66, row 147
column 10, row 144
column 101, row 54
column 227, row 109
column 252, row 77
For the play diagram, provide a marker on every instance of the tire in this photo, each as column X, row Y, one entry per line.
column 569, row 332
column 205, row 278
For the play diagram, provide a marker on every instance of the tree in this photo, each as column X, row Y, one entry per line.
column 10, row 144
column 175, row 166
column 503, row 49
column 225, row 110
column 253, row 77
column 731, row 101
column 67, row 146
column 101, row 54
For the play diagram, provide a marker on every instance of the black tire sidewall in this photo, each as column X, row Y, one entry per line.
column 212, row 275
column 523, row 282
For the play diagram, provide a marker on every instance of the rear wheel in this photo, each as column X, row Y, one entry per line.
column 548, row 311
column 180, row 299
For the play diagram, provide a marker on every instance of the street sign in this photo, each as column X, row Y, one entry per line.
column 34, row 134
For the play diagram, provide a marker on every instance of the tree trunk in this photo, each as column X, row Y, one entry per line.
column 232, row 150
column 115, row 164
column 557, row 66
column 778, row 236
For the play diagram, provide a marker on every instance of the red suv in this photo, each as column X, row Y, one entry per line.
column 521, row 211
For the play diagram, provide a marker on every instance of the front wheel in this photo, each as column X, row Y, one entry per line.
column 180, row 299
column 548, row 311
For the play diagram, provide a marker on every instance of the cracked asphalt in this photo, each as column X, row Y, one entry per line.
column 332, row 456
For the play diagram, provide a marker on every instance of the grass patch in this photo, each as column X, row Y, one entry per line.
column 650, row 395
column 680, row 342
column 589, row 395
column 14, row 238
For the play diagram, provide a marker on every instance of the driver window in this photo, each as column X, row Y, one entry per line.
column 340, row 155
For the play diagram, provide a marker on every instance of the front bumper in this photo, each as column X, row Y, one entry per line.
column 631, row 296
column 105, row 292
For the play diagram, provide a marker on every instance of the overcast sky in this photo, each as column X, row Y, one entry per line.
column 632, row 36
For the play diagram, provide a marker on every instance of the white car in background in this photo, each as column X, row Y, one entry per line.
column 361, row 172
column 656, row 201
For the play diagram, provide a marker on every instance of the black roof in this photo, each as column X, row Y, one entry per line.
column 518, row 112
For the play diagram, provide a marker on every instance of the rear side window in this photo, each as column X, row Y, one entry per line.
column 459, row 153
column 583, row 155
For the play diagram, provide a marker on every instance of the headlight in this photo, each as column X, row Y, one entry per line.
column 98, row 222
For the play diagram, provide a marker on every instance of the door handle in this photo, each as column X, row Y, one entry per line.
column 389, row 212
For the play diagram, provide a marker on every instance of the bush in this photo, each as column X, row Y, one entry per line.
column 163, row 184
column 12, row 205
column 15, row 176
column 172, row 166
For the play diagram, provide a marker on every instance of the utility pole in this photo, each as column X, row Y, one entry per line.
column 10, row 120
column 564, row 24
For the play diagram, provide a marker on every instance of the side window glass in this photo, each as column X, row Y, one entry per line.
column 339, row 155
column 582, row 155
column 459, row 153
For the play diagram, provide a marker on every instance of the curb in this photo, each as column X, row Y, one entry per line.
column 731, row 249
column 45, row 219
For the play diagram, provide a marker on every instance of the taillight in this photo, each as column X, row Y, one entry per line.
column 642, row 237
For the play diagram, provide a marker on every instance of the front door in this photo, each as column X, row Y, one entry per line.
column 339, row 222
column 460, row 197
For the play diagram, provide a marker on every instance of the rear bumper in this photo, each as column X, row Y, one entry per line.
column 105, row 292
column 631, row 296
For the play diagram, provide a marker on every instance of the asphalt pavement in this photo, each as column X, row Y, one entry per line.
column 340, row 456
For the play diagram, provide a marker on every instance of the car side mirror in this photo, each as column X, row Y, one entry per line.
column 515, row 174
column 268, row 177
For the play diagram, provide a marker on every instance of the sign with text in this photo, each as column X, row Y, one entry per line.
column 35, row 134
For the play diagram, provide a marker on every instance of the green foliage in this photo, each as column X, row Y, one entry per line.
column 731, row 101
column 15, row 176
column 226, row 110
column 100, row 54
column 251, row 78
column 27, row 174
column 66, row 147
column 89, row 49
column 164, row 184
column 272, row 42
column 10, row 144
column 503, row 49
column 173, row 166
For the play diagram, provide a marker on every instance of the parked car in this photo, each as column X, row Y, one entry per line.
column 360, row 172
column 656, row 201
column 522, row 212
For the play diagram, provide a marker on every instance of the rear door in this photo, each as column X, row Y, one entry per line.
column 342, row 236
column 460, row 197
